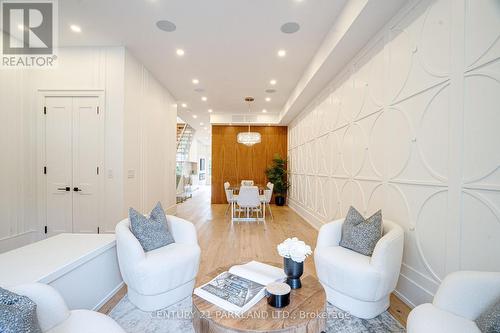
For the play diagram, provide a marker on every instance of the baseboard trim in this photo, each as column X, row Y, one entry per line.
column 172, row 210
column 308, row 217
column 102, row 305
column 15, row 241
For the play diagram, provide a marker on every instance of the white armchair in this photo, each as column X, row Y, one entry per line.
column 55, row 317
column 460, row 299
column 162, row 277
column 354, row 282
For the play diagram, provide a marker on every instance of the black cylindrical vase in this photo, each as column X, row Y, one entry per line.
column 293, row 271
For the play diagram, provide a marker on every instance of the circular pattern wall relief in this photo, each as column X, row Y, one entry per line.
column 352, row 194
column 334, row 204
column 481, row 135
column 334, row 151
column 480, row 230
column 433, row 136
column 400, row 56
column 377, row 75
column 353, row 98
column 431, row 233
column 392, row 202
column 353, row 149
column 478, row 39
column 435, row 38
column 390, row 143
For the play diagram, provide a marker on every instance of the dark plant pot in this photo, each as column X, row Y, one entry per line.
column 293, row 271
column 279, row 200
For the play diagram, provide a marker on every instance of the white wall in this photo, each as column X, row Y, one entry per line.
column 150, row 140
column 78, row 69
column 411, row 127
column 102, row 68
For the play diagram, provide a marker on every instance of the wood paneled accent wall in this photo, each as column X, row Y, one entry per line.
column 233, row 162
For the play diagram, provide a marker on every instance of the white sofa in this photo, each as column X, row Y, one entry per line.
column 354, row 282
column 460, row 299
column 55, row 317
column 162, row 277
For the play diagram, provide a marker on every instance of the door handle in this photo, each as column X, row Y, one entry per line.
column 76, row 189
column 67, row 189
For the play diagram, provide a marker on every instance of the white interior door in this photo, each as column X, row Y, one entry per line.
column 86, row 158
column 59, row 164
column 73, row 145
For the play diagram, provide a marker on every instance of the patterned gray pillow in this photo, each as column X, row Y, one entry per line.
column 151, row 232
column 489, row 320
column 360, row 234
column 17, row 313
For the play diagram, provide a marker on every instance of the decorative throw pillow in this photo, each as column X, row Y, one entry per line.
column 17, row 313
column 489, row 320
column 360, row 234
column 151, row 232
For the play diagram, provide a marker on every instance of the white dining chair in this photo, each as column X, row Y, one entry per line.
column 247, row 183
column 230, row 197
column 248, row 201
column 266, row 197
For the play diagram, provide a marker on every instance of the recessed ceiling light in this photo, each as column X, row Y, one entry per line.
column 206, row 128
column 210, row 110
column 166, row 25
column 180, row 52
column 264, row 111
column 196, row 81
column 268, row 99
column 195, row 116
column 204, row 98
column 201, row 124
column 270, row 91
column 281, row 53
column 20, row 27
column 290, row 27
column 75, row 28
column 184, row 105
column 273, row 82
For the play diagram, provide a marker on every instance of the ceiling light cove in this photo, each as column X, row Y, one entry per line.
column 273, row 82
column 195, row 81
column 281, row 53
column 180, row 52
column 75, row 28
column 204, row 98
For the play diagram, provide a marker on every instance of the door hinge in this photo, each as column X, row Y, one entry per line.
column 98, row 230
column 44, row 110
column 97, row 110
column 98, row 170
column 45, row 229
column 44, row 170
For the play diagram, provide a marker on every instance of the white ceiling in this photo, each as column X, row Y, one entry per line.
column 230, row 45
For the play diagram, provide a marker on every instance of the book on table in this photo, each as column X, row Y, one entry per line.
column 241, row 287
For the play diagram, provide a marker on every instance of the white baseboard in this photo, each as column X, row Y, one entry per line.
column 108, row 297
column 307, row 216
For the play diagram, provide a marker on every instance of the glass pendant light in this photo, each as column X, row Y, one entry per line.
column 249, row 138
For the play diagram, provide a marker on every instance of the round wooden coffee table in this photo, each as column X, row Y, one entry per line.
column 306, row 312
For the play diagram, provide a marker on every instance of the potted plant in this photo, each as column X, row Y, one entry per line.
column 277, row 175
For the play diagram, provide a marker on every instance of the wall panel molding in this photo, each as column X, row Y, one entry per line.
column 412, row 122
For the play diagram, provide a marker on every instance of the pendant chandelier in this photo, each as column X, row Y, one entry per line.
column 249, row 138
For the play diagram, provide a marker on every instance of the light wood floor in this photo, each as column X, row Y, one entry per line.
column 223, row 243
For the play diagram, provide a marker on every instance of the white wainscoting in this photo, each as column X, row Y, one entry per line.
column 411, row 127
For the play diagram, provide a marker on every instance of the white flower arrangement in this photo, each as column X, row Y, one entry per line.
column 294, row 249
